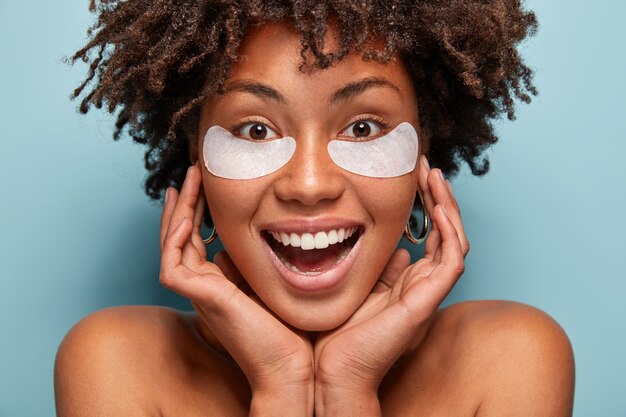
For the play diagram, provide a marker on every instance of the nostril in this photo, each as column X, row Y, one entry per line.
column 309, row 193
column 310, row 176
column 309, row 187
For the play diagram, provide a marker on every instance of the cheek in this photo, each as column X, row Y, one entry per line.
column 232, row 203
column 389, row 201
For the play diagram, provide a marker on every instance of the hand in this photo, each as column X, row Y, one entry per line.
column 275, row 359
column 351, row 361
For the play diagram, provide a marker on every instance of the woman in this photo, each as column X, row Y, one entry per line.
column 306, row 129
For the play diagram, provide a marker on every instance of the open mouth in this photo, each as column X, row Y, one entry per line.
column 312, row 253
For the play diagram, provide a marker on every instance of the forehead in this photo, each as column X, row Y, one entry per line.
column 272, row 54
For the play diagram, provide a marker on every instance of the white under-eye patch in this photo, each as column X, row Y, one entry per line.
column 234, row 158
column 391, row 155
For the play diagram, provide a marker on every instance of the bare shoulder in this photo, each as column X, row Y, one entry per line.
column 103, row 361
column 134, row 360
column 485, row 358
column 521, row 355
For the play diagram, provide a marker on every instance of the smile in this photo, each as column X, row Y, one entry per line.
column 313, row 260
column 319, row 240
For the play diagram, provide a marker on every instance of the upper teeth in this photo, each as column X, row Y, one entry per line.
column 318, row 240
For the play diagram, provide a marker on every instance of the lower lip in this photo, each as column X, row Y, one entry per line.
column 320, row 282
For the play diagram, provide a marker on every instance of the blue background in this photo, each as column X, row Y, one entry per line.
column 547, row 224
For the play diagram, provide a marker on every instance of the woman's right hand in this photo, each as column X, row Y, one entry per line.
column 277, row 361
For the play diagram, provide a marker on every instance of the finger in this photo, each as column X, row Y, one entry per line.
column 210, row 288
column 191, row 257
column 451, row 265
column 198, row 213
column 172, row 269
column 452, row 197
column 225, row 263
column 171, row 195
column 179, row 253
column 228, row 267
column 423, row 184
column 398, row 262
column 196, row 236
column 441, row 192
column 433, row 239
column 205, row 286
column 186, row 202
column 458, row 224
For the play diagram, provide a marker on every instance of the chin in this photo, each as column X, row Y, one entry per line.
column 311, row 318
column 313, row 285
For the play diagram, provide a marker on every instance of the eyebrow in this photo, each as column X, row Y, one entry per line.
column 345, row 93
column 358, row 87
column 258, row 89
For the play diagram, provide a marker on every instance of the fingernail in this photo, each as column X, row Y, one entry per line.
column 167, row 194
column 425, row 161
column 443, row 207
column 441, row 175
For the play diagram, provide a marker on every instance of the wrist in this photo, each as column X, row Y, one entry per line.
column 344, row 401
column 285, row 401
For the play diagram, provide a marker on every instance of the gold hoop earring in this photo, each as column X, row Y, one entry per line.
column 421, row 237
column 211, row 238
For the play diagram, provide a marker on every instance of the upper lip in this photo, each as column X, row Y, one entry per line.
column 300, row 226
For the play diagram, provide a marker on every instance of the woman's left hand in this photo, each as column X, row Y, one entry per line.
column 351, row 361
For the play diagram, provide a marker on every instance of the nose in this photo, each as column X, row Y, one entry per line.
column 310, row 177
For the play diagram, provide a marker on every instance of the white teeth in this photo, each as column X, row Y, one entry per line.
column 295, row 240
column 307, row 241
column 332, row 237
column 319, row 240
column 341, row 234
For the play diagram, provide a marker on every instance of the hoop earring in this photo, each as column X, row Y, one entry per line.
column 211, row 237
column 421, row 236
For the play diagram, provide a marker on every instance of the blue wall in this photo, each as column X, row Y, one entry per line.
column 547, row 224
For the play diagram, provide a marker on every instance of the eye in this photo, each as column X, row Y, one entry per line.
column 255, row 131
column 363, row 129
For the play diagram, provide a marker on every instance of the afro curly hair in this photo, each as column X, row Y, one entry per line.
column 154, row 62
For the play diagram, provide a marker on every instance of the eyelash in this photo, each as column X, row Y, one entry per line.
column 368, row 118
column 362, row 118
column 252, row 120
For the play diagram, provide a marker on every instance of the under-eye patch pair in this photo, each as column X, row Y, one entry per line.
column 391, row 155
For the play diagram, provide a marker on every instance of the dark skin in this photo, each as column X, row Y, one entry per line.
column 252, row 347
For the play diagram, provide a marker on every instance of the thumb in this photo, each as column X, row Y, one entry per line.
column 398, row 262
column 223, row 261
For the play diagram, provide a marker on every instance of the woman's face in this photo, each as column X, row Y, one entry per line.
column 267, row 96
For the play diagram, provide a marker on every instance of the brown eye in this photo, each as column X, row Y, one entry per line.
column 361, row 129
column 256, row 131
